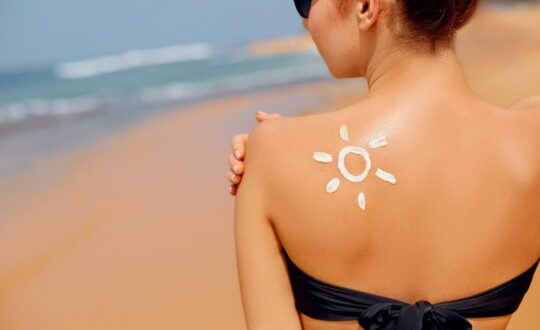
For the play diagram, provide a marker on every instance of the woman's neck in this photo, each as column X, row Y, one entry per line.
column 401, row 72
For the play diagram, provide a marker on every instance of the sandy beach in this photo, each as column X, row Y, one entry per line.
column 136, row 231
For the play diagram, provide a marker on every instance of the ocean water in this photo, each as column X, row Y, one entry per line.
column 145, row 79
column 49, row 109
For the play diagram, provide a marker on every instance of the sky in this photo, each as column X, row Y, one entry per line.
column 43, row 32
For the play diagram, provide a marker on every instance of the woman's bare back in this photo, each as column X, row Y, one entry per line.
column 462, row 217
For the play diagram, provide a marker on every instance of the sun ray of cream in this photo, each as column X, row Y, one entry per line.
column 362, row 201
column 332, row 185
column 344, row 132
column 378, row 142
column 385, row 176
column 322, row 157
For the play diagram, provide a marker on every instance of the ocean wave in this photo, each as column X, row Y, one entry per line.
column 229, row 70
column 18, row 111
column 132, row 59
column 237, row 83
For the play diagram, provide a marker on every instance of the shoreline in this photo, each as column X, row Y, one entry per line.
column 41, row 138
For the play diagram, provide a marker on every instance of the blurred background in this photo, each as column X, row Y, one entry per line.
column 115, row 125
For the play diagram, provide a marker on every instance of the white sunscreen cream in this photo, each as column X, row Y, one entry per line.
column 362, row 201
column 333, row 185
column 322, row 157
column 344, row 132
column 378, row 142
column 385, row 176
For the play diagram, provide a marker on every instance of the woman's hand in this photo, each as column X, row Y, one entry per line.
column 236, row 158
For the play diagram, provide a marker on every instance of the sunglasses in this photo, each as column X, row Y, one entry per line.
column 303, row 6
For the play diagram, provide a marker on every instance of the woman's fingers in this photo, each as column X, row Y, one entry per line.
column 238, row 144
column 237, row 166
column 236, row 163
column 232, row 189
column 262, row 116
column 233, row 178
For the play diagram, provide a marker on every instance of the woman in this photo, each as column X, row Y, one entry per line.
column 416, row 208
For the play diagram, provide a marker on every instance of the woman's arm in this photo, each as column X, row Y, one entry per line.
column 265, row 288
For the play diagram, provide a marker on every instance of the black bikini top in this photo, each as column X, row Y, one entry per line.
column 320, row 300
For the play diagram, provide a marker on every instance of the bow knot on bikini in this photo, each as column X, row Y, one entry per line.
column 421, row 316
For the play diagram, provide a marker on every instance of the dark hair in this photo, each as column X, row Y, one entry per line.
column 424, row 22
column 435, row 20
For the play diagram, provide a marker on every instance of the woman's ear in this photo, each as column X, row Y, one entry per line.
column 367, row 12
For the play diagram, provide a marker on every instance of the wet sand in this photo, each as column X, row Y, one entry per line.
column 135, row 232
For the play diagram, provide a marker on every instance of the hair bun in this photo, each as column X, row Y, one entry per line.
column 438, row 19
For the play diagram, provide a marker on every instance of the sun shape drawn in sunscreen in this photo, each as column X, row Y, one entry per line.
column 374, row 143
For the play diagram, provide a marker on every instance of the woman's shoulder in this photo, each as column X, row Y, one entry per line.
column 278, row 131
column 266, row 140
column 274, row 144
